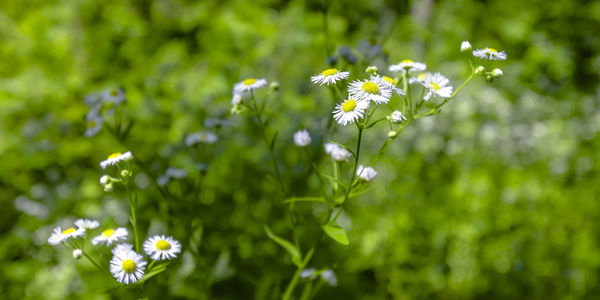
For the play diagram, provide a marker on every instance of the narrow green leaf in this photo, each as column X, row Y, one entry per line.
column 289, row 247
column 304, row 199
column 336, row 233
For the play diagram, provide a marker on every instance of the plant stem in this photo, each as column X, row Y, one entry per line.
column 92, row 261
column 133, row 219
column 360, row 130
column 290, row 288
column 434, row 110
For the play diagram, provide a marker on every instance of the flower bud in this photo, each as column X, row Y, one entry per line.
column 125, row 173
column 465, row 46
column 489, row 78
column 108, row 187
column 479, row 69
column 274, row 86
column 104, row 179
column 372, row 70
column 392, row 134
column 396, row 117
column 497, row 73
column 77, row 253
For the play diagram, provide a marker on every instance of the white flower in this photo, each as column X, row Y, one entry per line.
column 124, row 247
column 171, row 172
column 115, row 158
column 437, row 85
column 419, row 79
column 87, row 223
column 59, row 236
column 349, row 111
column 236, row 99
column 329, row 76
column 375, row 89
column 329, row 277
column 497, row 72
column 390, row 83
column 308, row 273
column 366, row 173
column 397, row 117
column 104, row 179
column 109, row 236
column 302, row 138
column 465, row 46
column 77, row 253
column 337, row 152
column 409, row 65
column 114, row 96
column 94, row 123
column 127, row 266
column 203, row 136
column 160, row 247
column 249, row 84
column 489, row 53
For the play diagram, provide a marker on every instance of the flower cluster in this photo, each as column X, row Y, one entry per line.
column 100, row 105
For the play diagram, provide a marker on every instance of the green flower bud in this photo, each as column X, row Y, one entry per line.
column 479, row 69
column 392, row 134
column 274, row 86
column 125, row 173
column 497, row 73
column 372, row 70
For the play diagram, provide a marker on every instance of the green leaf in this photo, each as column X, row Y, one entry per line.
column 155, row 271
column 289, row 247
column 336, row 233
column 304, row 199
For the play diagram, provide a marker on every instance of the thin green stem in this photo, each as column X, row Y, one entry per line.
column 133, row 219
column 351, row 184
column 93, row 261
column 339, row 94
column 292, row 285
column 408, row 101
column 434, row 110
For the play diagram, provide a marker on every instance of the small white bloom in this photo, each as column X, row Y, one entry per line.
column 419, row 79
column 114, row 96
column 123, row 247
column 497, row 72
column 302, row 138
column 249, row 84
column 489, row 53
column 87, row 223
column 397, row 117
column 390, row 83
column 329, row 277
column 115, row 158
column 465, row 46
column 337, row 152
column 236, row 99
column 437, row 85
column 308, row 272
column 409, row 65
column 366, row 173
column 375, row 89
column 94, row 123
column 171, row 172
column 329, row 76
column 127, row 266
column 160, row 247
column 58, row 236
column 109, row 236
column 350, row 111
column 203, row 136
column 77, row 253
column 104, row 179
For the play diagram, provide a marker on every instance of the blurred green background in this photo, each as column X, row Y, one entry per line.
column 494, row 198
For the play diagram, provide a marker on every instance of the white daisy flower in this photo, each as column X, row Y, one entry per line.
column 302, row 138
column 87, row 223
column 337, row 152
column 489, row 53
column 329, row 76
column 114, row 96
column 124, row 247
column 127, row 266
column 366, row 173
column 160, row 247
column 109, row 236
column 419, row 79
column 409, row 65
column 397, row 117
column 249, row 84
column 58, row 236
column 391, row 83
column 94, row 122
column 77, row 253
column 465, row 46
column 375, row 89
column 349, row 111
column 203, row 136
column 236, row 99
column 171, row 173
column 437, row 85
column 115, row 158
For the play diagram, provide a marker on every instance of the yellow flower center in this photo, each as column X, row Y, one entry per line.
column 249, row 81
column 163, row 245
column 329, row 72
column 114, row 155
column 108, row 232
column 492, row 50
column 128, row 266
column 370, row 87
column 349, row 105
column 390, row 80
column 421, row 76
column 114, row 93
column 67, row 231
column 92, row 124
column 407, row 61
column 435, row 86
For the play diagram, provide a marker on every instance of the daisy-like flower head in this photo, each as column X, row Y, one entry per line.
column 249, row 84
column 489, row 53
column 94, row 122
column 171, row 173
column 115, row 158
column 109, row 236
column 123, row 247
column 203, row 136
column 366, row 173
column 302, row 138
column 114, row 96
column 397, row 117
column 87, row 223
column 419, row 79
column 391, row 83
column 58, row 236
column 77, row 253
column 236, row 99
column 465, row 46
column 127, row 266
column 408, row 65
column 160, row 247
column 437, row 85
column 337, row 152
column 329, row 76
column 349, row 111
column 375, row 89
